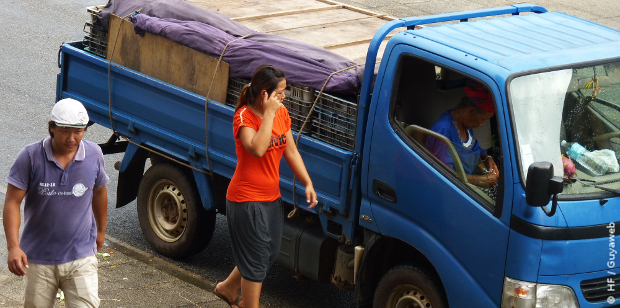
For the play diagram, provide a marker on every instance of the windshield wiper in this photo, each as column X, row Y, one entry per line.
column 582, row 181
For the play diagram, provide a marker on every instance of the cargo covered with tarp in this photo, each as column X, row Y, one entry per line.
column 244, row 56
column 209, row 32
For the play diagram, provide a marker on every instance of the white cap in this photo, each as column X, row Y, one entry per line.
column 69, row 113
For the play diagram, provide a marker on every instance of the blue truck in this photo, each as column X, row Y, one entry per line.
column 393, row 224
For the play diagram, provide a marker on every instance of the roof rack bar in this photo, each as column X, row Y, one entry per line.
column 411, row 22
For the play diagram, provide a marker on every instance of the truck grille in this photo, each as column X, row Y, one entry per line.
column 598, row 290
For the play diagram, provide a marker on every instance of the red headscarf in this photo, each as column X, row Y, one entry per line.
column 480, row 95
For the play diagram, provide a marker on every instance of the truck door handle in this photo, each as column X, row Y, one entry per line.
column 384, row 191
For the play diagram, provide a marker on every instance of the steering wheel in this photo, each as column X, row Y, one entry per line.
column 604, row 141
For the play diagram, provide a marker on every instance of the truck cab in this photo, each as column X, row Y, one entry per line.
column 553, row 78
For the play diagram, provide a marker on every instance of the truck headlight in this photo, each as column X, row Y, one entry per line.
column 524, row 294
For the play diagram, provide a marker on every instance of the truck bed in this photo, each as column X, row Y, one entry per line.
column 168, row 119
column 171, row 120
column 342, row 29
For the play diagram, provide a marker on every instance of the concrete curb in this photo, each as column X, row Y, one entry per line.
column 160, row 264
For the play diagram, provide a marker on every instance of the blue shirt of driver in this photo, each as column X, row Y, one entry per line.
column 446, row 127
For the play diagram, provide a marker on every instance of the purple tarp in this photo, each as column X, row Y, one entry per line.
column 244, row 56
column 182, row 10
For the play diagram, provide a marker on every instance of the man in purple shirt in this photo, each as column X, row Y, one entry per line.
column 62, row 179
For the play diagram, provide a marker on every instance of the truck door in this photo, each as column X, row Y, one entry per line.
column 416, row 198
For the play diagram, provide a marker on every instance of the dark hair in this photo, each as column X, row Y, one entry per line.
column 52, row 124
column 266, row 77
column 467, row 102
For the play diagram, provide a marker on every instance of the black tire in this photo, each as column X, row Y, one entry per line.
column 170, row 211
column 408, row 287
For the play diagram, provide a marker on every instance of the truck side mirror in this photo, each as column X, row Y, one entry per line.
column 541, row 186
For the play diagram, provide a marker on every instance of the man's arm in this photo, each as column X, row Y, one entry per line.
column 100, row 210
column 11, row 219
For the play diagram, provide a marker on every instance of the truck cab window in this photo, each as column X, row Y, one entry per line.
column 579, row 110
column 446, row 116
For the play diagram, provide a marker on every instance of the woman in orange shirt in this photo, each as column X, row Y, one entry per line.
column 262, row 132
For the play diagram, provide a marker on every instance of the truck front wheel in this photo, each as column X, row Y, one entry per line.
column 408, row 287
column 171, row 214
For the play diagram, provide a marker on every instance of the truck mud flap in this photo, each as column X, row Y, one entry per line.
column 130, row 175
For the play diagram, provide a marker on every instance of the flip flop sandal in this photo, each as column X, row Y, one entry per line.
column 222, row 297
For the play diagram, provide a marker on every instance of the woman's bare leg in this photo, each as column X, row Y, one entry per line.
column 230, row 287
column 250, row 291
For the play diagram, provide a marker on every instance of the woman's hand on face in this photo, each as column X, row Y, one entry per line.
column 311, row 196
column 271, row 103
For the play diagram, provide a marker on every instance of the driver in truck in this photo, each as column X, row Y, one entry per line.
column 457, row 125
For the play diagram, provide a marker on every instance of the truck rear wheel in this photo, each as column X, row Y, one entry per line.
column 408, row 287
column 171, row 214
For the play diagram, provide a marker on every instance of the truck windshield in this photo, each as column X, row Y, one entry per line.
column 571, row 118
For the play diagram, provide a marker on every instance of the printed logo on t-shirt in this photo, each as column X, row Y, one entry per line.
column 79, row 189
column 44, row 191
column 277, row 142
column 47, row 189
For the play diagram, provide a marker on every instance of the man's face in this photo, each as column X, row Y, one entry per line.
column 67, row 138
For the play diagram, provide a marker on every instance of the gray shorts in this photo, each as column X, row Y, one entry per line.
column 255, row 230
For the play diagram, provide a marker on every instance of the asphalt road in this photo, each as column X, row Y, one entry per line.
column 32, row 33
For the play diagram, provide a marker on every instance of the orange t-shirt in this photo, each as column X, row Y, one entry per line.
column 258, row 179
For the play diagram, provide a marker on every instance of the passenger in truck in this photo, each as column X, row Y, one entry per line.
column 457, row 125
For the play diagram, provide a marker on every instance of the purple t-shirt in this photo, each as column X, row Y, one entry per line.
column 59, row 224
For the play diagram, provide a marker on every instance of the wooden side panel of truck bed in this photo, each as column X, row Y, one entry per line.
column 343, row 29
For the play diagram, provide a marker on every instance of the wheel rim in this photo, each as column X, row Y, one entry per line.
column 408, row 296
column 167, row 211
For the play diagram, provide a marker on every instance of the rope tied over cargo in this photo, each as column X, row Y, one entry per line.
column 135, row 143
column 295, row 207
column 217, row 66
column 118, row 32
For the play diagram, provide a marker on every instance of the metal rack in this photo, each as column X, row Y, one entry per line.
column 332, row 121
column 96, row 41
